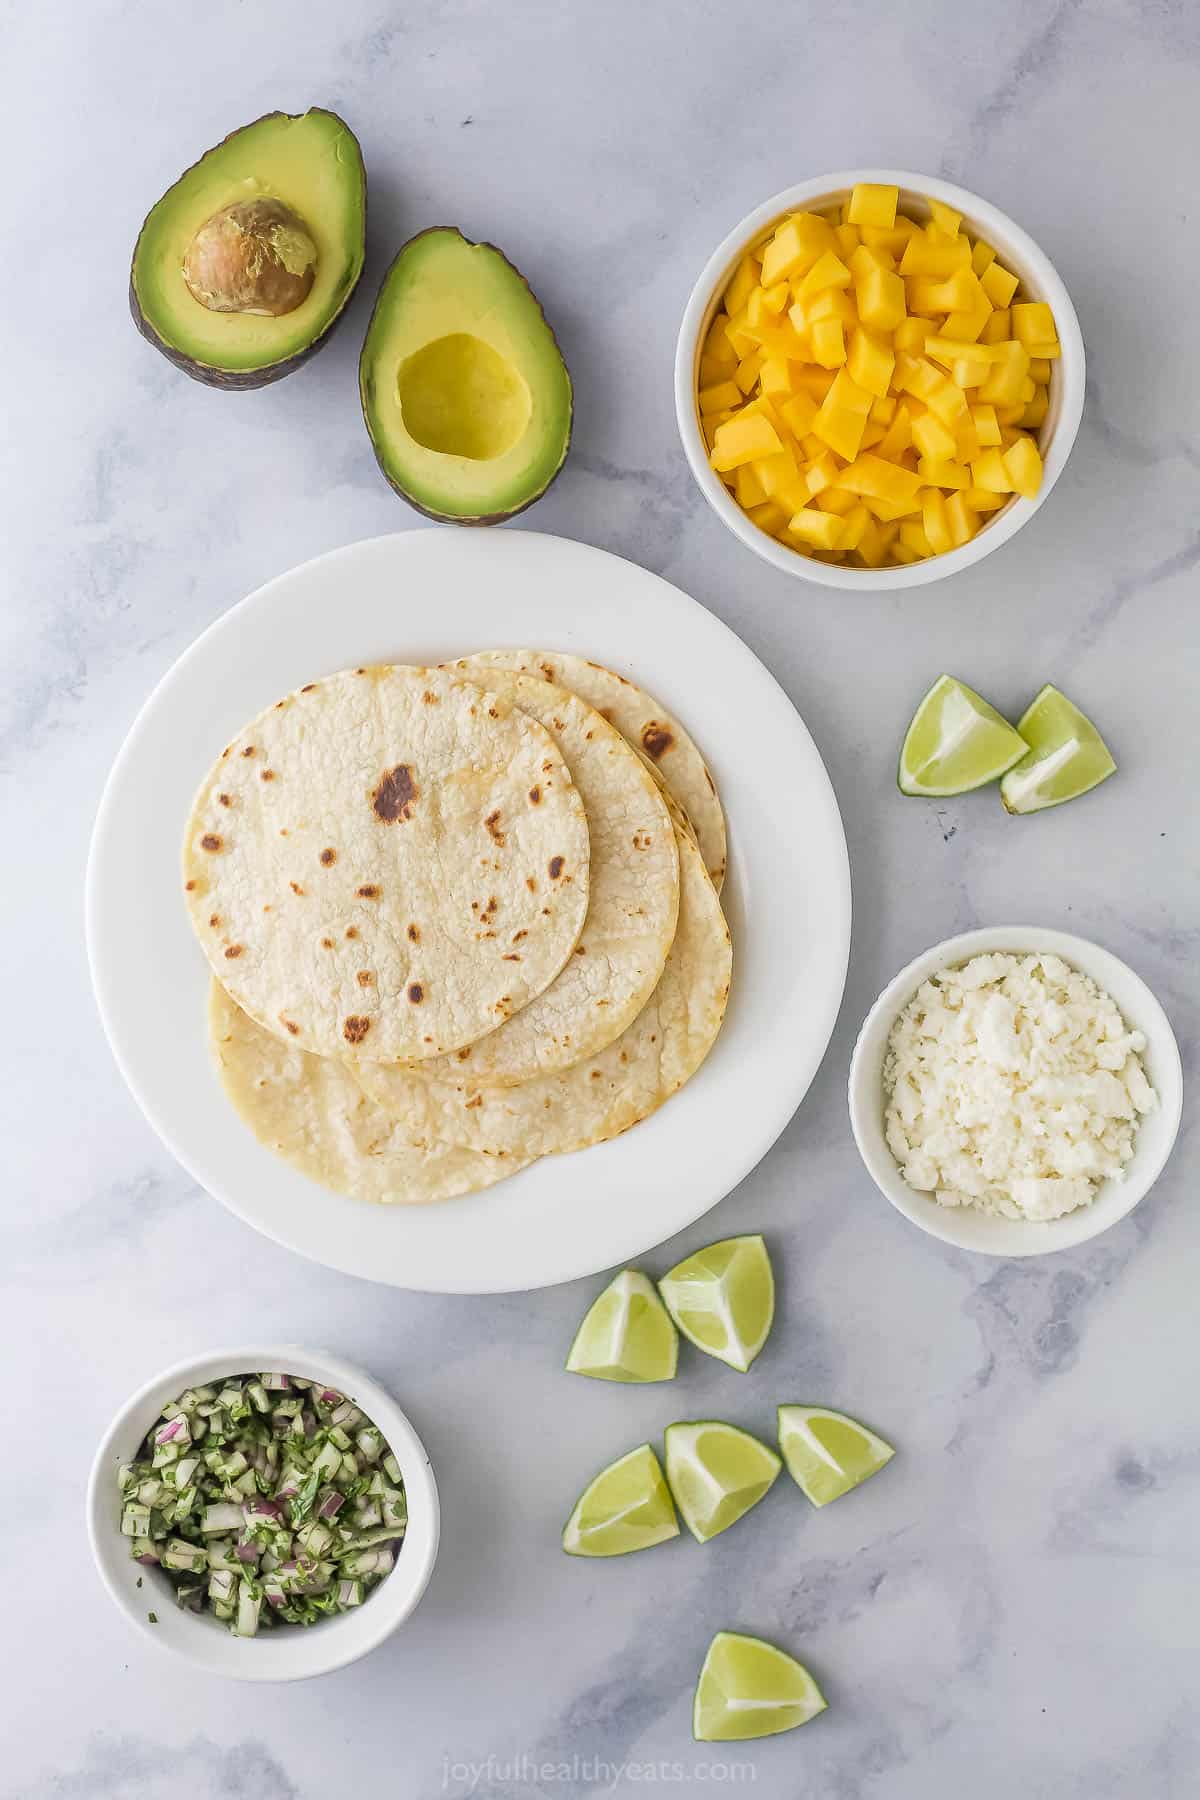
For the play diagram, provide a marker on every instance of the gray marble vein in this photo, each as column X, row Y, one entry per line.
column 1013, row 1607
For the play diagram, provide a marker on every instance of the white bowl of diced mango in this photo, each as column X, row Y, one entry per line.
column 878, row 380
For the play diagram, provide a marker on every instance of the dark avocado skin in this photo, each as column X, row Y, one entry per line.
column 238, row 381
column 442, row 518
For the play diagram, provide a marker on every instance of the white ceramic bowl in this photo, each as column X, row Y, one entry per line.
column 285, row 1654
column 964, row 1226
column 1016, row 250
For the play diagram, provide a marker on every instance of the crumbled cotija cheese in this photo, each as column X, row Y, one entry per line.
column 1014, row 1085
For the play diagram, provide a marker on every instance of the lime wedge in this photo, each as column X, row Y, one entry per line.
column 1067, row 756
column 723, row 1299
column 749, row 1689
column 827, row 1453
column 956, row 742
column 627, row 1507
column 716, row 1473
column 627, row 1334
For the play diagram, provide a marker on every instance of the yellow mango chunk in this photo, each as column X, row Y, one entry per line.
column 769, row 517
column 842, row 418
column 875, row 478
column 742, row 286
column 1035, row 413
column 959, row 292
column 880, row 297
column 872, row 203
column 912, row 536
column 898, row 436
column 836, row 500
column 747, row 372
column 717, row 347
column 824, row 531
column 858, row 521
column 987, row 427
column 1039, row 368
column 998, row 327
column 933, row 518
column 968, row 327
column 848, row 240
column 798, row 413
column 1006, row 376
column 983, row 500
column 870, row 362
column 828, row 271
column 821, row 474
column 828, row 343
column 1024, row 465
column 777, row 377
column 937, row 258
column 741, row 439
column 982, row 256
column 1033, row 323
column 966, row 439
column 722, row 398
column 989, row 472
column 943, row 474
column 933, row 439
column 962, row 519
column 748, row 489
column 945, row 217
column 998, row 284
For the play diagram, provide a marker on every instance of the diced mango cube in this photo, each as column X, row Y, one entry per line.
column 945, row 217
column 1008, row 371
column 877, row 479
column 1033, row 323
column 1024, row 465
column 989, row 472
column 782, row 482
column 798, row 413
column 725, row 397
column 769, row 517
column 962, row 520
column 987, row 427
column 912, row 536
column 957, row 293
column 858, row 520
column 870, row 362
column 982, row 256
column 717, row 347
column 923, row 256
column 742, row 286
column 998, row 284
column 943, row 474
column 828, row 271
column 873, row 434
column 968, row 327
column 1039, row 368
column 983, row 500
column 836, row 500
column 998, row 328
column 933, row 518
column 747, row 371
column 828, row 343
column 1035, row 413
column 743, row 438
column 880, row 297
column 862, row 260
column 777, row 377
column 911, row 335
column 873, row 203
column 848, row 240
column 966, row 439
column 898, row 436
column 884, row 409
column 748, row 489
column 824, row 531
column 932, row 438
column 795, row 247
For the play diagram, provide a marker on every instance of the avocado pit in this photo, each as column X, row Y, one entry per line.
column 460, row 397
column 255, row 256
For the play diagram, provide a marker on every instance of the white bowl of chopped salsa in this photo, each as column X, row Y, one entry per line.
column 148, row 1596
column 982, row 1227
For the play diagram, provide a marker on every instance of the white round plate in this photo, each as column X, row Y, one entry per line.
column 423, row 597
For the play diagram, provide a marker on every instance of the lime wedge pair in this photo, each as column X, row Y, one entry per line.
column 958, row 742
column 716, row 1473
column 722, row 1299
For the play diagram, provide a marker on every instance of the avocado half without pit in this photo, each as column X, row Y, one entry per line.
column 465, row 394
column 244, row 266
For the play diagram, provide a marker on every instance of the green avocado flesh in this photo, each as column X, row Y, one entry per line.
column 310, row 162
column 464, row 390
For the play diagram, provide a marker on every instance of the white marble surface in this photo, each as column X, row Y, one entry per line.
column 1013, row 1608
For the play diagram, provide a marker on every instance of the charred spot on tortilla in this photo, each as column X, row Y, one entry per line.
column 416, row 993
column 369, row 891
column 393, row 799
column 352, row 931
column 327, row 943
column 289, row 1025
column 214, row 920
column 328, row 857
column 224, row 799
column 535, row 796
column 232, row 950
column 355, row 1028
column 210, row 841
column 189, row 887
column 295, row 887
column 493, row 825
column 414, row 935
column 266, row 775
column 249, row 750
column 364, row 978
column 656, row 739
column 556, row 867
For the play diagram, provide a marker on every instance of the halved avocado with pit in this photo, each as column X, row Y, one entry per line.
column 244, row 266
column 465, row 394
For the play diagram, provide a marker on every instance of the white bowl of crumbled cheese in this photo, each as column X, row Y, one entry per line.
column 1016, row 1090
